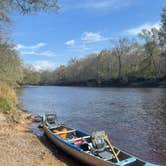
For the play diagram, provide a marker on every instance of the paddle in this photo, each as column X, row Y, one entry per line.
column 111, row 146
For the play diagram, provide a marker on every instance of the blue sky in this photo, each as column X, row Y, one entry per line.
column 81, row 27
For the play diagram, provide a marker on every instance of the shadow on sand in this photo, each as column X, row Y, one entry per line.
column 59, row 154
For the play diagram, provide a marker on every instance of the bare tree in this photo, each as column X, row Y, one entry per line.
column 120, row 49
column 25, row 7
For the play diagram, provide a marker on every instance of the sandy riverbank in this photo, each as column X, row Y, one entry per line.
column 20, row 147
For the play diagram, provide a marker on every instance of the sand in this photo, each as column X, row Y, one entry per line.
column 20, row 147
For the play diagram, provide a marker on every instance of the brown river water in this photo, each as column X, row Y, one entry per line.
column 134, row 118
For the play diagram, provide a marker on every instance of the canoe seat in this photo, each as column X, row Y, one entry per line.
column 106, row 155
column 126, row 161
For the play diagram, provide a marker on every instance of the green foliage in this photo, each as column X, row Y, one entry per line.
column 5, row 105
column 121, row 49
column 10, row 64
column 162, row 33
column 162, row 37
column 152, row 51
column 8, row 102
column 7, row 92
column 30, row 76
column 163, row 18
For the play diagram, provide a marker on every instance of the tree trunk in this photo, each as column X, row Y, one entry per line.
column 119, row 67
column 155, row 67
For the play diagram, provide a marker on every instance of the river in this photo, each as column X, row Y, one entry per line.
column 134, row 118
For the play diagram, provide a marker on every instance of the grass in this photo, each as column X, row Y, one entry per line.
column 8, row 102
column 8, row 92
column 5, row 105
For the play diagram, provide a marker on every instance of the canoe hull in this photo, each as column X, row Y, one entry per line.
column 79, row 155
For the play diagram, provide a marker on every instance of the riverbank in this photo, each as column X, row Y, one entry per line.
column 123, row 82
column 20, row 147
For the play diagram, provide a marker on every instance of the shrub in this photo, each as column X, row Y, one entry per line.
column 8, row 102
column 5, row 105
column 8, row 93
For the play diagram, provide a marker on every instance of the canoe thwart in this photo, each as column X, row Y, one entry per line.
column 65, row 132
column 76, row 139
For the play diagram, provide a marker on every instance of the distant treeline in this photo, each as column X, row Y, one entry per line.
column 127, row 63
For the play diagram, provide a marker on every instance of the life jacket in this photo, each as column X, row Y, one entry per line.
column 63, row 136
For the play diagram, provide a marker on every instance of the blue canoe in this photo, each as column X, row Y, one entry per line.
column 83, row 152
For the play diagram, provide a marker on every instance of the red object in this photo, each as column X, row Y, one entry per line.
column 80, row 141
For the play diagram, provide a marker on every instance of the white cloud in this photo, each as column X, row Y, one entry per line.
column 47, row 53
column 88, row 41
column 70, row 42
column 137, row 30
column 32, row 47
column 44, row 65
column 114, row 4
column 28, row 52
column 80, row 48
column 91, row 37
column 96, row 4
column 34, row 50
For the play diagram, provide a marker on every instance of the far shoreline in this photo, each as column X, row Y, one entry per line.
column 84, row 86
column 112, row 83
